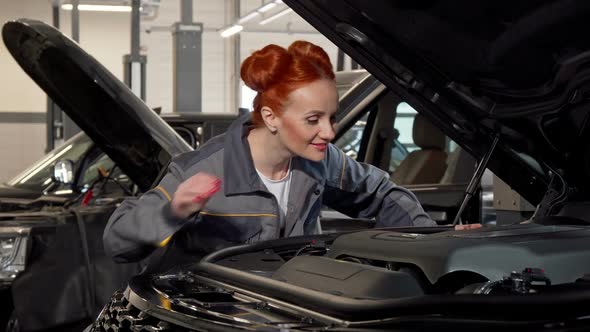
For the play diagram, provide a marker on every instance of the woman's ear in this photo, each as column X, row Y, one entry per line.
column 270, row 118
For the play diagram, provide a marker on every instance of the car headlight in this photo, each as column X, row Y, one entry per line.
column 13, row 252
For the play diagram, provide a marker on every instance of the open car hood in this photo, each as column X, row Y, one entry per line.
column 124, row 127
column 519, row 70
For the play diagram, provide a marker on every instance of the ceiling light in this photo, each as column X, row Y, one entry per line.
column 248, row 17
column 275, row 16
column 256, row 12
column 231, row 30
column 237, row 27
column 267, row 7
column 98, row 8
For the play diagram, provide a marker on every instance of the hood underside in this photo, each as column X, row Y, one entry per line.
column 518, row 69
column 124, row 127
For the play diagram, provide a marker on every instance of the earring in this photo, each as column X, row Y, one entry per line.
column 273, row 130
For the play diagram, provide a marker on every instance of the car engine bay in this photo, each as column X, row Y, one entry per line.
column 518, row 274
column 439, row 263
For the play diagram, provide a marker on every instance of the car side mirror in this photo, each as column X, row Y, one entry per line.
column 63, row 171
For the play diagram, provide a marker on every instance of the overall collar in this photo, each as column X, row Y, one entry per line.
column 240, row 176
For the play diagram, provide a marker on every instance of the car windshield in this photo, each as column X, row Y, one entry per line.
column 38, row 176
column 345, row 80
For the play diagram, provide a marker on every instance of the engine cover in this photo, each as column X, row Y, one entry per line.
column 562, row 251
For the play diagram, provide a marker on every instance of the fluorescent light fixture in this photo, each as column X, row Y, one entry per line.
column 98, row 8
column 248, row 17
column 231, row 30
column 256, row 12
column 275, row 16
column 267, row 7
column 237, row 27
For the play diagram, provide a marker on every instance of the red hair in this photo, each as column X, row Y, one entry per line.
column 274, row 72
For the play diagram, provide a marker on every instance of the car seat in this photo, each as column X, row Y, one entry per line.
column 460, row 167
column 428, row 164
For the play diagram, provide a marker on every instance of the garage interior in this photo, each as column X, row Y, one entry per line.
column 182, row 57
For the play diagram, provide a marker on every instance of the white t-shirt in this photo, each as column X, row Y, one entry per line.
column 280, row 189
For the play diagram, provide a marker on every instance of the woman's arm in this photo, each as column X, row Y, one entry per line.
column 138, row 226
column 363, row 191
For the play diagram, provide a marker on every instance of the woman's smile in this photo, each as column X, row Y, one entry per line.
column 320, row 146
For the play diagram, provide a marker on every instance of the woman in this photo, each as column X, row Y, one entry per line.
column 268, row 176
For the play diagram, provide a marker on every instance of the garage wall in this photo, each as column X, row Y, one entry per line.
column 217, row 61
column 17, row 94
column 157, row 45
column 106, row 36
column 22, row 138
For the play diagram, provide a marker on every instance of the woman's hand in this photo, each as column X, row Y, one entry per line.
column 467, row 226
column 192, row 195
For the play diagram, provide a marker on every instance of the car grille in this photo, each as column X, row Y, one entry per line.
column 121, row 316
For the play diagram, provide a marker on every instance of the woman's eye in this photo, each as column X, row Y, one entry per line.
column 312, row 120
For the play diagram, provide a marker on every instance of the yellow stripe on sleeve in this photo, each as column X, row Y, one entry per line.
column 165, row 241
column 160, row 188
column 238, row 214
column 167, row 195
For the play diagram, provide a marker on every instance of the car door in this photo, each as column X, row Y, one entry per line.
column 378, row 131
column 442, row 197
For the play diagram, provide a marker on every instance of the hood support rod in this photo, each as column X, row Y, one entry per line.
column 475, row 180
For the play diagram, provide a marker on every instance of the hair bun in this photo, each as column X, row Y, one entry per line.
column 264, row 67
column 311, row 53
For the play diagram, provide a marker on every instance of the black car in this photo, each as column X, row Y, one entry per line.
column 40, row 50
column 507, row 81
column 53, row 270
column 51, row 230
column 83, row 158
column 68, row 195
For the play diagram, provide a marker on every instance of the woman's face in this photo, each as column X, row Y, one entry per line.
column 306, row 125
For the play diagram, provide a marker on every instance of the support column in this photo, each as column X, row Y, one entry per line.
column 340, row 61
column 70, row 128
column 54, row 124
column 134, row 64
column 237, row 47
column 187, row 61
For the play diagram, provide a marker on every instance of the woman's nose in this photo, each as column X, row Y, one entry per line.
column 327, row 133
